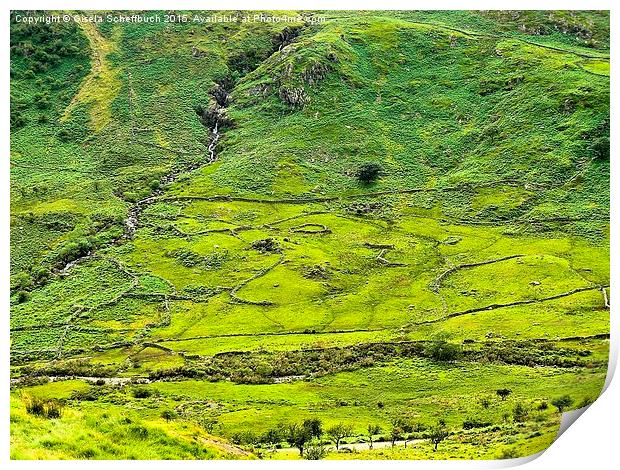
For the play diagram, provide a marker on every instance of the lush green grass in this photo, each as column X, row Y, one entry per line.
column 487, row 227
column 105, row 432
column 420, row 390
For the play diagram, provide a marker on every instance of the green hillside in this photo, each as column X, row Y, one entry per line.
column 378, row 220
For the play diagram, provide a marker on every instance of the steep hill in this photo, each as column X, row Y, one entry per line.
column 350, row 216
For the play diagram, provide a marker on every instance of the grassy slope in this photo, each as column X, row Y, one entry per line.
column 436, row 107
column 107, row 433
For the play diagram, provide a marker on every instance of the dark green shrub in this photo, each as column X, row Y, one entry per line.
column 74, row 250
column 267, row 245
column 168, row 415
column 442, row 350
column 519, row 413
column 368, row 172
column 141, row 393
column 272, row 436
column 22, row 296
column 139, row 432
column 474, row 423
column 21, row 281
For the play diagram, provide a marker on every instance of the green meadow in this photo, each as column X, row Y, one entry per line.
column 298, row 239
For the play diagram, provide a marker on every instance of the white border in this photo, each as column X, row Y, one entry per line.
column 592, row 443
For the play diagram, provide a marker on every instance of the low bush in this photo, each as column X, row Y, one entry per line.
column 474, row 423
column 141, row 393
column 45, row 408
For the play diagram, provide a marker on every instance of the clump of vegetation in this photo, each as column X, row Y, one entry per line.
column 473, row 423
column 563, row 402
column 169, row 415
column 520, row 413
column 317, row 271
column 267, row 245
column 74, row 250
column 369, row 172
column 360, row 208
column 314, row 450
column 509, row 453
column 45, row 408
column 442, row 350
column 599, row 141
column 141, row 392
column 190, row 259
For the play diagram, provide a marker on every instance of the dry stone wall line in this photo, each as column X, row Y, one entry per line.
column 261, row 273
column 310, row 228
column 510, row 304
column 436, row 285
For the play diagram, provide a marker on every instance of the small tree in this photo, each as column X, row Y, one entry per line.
column 562, row 402
column 400, row 426
column 272, row 436
column 368, row 172
column 338, row 432
column 298, row 436
column 314, row 426
column 438, row 434
column 372, row 430
column 503, row 393
column 396, row 432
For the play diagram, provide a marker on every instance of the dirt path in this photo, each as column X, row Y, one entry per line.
column 226, row 447
column 92, row 380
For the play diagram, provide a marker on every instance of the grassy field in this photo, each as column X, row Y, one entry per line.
column 198, row 262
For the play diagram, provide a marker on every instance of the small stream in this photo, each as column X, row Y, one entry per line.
column 92, row 380
column 135, row 211
column 132, row 221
